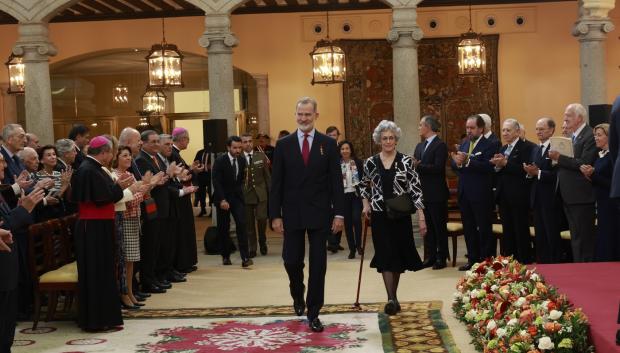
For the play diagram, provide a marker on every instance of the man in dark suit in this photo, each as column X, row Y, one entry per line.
column 488, row 131
column 512, row 193
column 576, row 190
column 13, row 221
column 203, row 180
column 15, row 175
column 430, row 160
column 154, row 230
column 475, row 190
column 543, row 199
column 80, row 134
column 306, row 182
column 228, row 176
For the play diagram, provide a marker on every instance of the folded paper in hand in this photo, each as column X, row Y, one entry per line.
column 564, row 145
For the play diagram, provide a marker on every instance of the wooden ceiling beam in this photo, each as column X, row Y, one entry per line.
column 141, row 5
column 184, row 4
column 82, row 10
column 163, row 5
column 118, row 5
column 97, row 6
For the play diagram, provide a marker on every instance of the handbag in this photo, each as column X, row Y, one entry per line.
column 399, row 207
column 150, row 209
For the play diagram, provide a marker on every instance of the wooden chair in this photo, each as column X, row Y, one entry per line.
column 455, row 225
column 50, row 268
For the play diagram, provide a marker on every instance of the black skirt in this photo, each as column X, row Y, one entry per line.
column 394, row 246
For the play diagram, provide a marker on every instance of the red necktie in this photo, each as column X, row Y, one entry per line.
column 156, row 162
column 305, row 150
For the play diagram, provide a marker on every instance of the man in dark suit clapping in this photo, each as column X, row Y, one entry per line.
column 228, row 177
column 475, row 190
column 430, row 160
column 306, row 183
column 575, row 189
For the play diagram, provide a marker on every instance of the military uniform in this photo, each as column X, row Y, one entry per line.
column 255, row 191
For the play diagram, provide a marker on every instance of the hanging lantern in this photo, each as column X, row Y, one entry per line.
column 165, row 64
column 120, row 94
column 471, row 53
column 154, row 101
column 16, row 67
column 328, row 61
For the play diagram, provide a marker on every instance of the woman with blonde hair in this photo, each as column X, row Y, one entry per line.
column 390, row 190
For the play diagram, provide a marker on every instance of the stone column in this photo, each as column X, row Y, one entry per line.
column 219, row 41
column 591, row 31
column 34, row 45
column 262, row 92
column 404, row 37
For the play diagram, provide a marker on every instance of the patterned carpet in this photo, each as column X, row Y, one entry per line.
column 418, row 328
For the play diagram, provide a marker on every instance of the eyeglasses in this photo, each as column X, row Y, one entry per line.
column 388, row 138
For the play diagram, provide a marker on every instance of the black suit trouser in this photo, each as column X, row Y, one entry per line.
column 515, row 240
column 436, row 239
column 353, row 220
column 237, row 210
column 149, row 250
column 8, row 317
column 582, row 231
column 293, row 253
column 204, row 189
column 476, row 218
column 168, row 232
column 547, row 229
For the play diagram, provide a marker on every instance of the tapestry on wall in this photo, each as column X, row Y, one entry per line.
column 368, row 95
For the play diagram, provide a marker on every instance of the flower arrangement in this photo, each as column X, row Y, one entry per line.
column 510, row 309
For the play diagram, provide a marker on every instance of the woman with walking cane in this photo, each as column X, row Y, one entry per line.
column 390, row 190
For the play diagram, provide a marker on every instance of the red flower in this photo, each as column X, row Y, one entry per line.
column 532, row 330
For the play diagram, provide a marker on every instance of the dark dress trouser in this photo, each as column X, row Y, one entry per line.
column 582, row 231
column 293, row 253
column 149, row 250
column 476, row 218
column 237, row 210
column 436, row 239
column 8, row 317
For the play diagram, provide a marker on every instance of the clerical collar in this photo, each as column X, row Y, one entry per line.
column 94, row 159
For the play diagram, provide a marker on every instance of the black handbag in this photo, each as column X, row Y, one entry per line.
column 399, row 207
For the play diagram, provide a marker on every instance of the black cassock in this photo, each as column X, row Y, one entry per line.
column 95, row 193
column 186, row 250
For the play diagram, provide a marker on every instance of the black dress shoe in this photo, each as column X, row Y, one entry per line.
column 226, row 261
column 252, row 254
column 340, row 247
column 316, row 325
column 164, row 285
column 178, row 273
column 141, row 294
column 140, row 299
column 139, row 304
column 332, row 249
column 129, row 307
column 466, row 267
column 391, row 308
column 176, row 279
column 153, row 289
column 247, row 263
column 439, row 265
column 299, row 305
column 352, row 254
column 263, row 250
column 428, row 263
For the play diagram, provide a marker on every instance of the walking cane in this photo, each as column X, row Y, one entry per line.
column 356, row 305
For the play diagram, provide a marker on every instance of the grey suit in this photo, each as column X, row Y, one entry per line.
column 578, row 195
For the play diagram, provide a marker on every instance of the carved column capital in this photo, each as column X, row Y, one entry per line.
column 405, row 26
column 33, row 43
column 217, row 30
column 592, row 29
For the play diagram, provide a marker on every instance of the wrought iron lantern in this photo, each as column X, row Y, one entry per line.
column 154, row 101
column 165, row 64
column 16, row 68
column 120, row 94
column 472, row 58
column 328, row 61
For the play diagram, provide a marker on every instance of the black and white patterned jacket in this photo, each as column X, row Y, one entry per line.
column 406, row 180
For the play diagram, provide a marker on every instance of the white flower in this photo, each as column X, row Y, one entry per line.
column 535, row 277
column 457, row 295
column 545, row 343
column 545, row 305
column 505, row 262
column 494, row 287
column 466, row 300
column 470, row 315
column 491, row 325
column 520, row 302
column 501, row 332
column 474, row 293
column 512, row 322
column 490, row 273
column 468, row 274
column 555, row 314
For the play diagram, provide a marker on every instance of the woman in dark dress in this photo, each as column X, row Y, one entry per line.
column 352, row 169
column 600, row 174
column 54, row 205
column 389, row 174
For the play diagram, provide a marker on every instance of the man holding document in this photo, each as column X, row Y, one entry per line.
column 475, row 190
column 575, row 189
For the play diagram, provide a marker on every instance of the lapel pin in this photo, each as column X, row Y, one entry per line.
column 321, row 149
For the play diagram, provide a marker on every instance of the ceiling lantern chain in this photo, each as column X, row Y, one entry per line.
column 15, row 66
column 328, row 61
column 472, row 58
column 165, row 64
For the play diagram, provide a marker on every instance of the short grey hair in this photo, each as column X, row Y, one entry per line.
column 307, row 100
column 578, row 110
column 64, row 146
column 23, row 154
column 432, row 122
column 488, row 122
column 515, row 124
column 385, row 125
column 9, row 130
column 125, row 134
column 165, row 137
